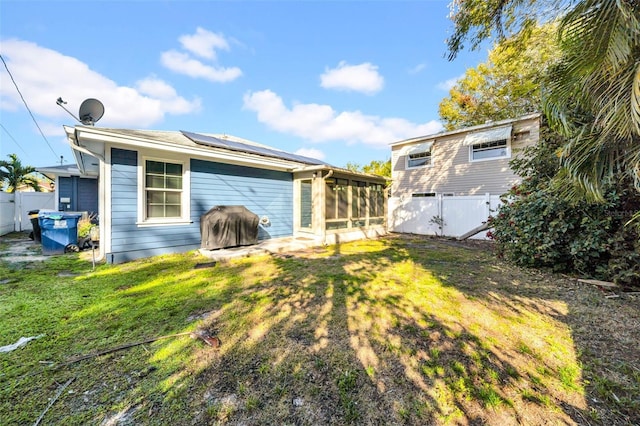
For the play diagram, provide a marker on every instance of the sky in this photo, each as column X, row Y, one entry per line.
column 334, row 80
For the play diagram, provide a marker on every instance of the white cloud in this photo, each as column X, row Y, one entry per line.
column 182, row 63
column 204, row 43
column 448, row 84
column 357, row 78
column 156, row 88
column 320, row 123
column 311, row 153
column 417, row 69
column 71, row 79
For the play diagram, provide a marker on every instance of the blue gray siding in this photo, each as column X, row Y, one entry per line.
column 82, row 193
column 264, row 192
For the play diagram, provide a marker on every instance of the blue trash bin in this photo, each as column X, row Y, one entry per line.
column 58, row 230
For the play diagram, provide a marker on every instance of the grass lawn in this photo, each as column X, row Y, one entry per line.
column 399, row 330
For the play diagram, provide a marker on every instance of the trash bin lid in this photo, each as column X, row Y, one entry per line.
column 51, row 215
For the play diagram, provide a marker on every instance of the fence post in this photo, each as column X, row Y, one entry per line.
column 17, row 211
column 487, row 204
column 441, row 213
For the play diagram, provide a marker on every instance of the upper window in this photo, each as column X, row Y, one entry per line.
column 419, row 159
column 418, row 155
column 489, row 144
column 489, row 150
column 163, row 190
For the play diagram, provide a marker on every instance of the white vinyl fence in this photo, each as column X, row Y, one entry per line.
column 7, row 208
column 447, row 216
column 15, row 207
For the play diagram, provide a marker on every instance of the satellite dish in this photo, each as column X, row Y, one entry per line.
column 91, row 110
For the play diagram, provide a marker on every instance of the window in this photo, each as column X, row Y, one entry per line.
column 423, row 194
column 376, row 204
column 353, row 203
column 163, row 189
column 337, row 203
column 489, row 150
column 418, row 155
column 489, row 144
column 419, row 159
column 358, row 203
column 306, row 204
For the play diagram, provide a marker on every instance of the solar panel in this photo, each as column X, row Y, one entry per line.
column 251, row 149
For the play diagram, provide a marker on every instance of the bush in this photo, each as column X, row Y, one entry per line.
column 537, row 227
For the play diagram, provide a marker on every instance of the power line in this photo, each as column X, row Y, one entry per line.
column 27, row 106
column 13, row 139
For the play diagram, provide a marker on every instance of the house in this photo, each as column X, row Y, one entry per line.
column 74, row 192
column 153, row 187
column 449, row 183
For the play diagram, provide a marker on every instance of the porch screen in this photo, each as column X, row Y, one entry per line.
column 359, row 203
column 337, row 203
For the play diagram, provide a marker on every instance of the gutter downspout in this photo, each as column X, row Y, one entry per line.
column 76, row 147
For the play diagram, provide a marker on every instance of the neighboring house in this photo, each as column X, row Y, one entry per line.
column 74, row 192
column 449, row 183
column 153, row 187
column 44, row 183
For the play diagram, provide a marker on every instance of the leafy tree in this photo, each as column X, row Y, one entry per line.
column 507, row 85
column 375, row 167
column 14, row 174
column 593, row 95
column 354, row 167
column 378, row 167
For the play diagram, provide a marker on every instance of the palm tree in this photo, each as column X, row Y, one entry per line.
column 14, row 174
column 593, row 97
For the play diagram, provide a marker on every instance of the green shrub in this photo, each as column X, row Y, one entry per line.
column 538, row 227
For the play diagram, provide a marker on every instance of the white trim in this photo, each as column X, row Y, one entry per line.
column 185, row 198
column 467, row 129
column 166, row 222
column 105, row 208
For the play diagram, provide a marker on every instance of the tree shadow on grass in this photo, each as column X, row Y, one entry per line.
column 379, row 337
column 393, row 331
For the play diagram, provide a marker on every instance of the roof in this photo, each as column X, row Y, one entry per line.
column 249, row 148
column 191, row 139
column 221, row 147
column 483, row 126
column 61, row 170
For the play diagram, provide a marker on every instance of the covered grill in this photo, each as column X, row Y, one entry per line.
column 228, row 226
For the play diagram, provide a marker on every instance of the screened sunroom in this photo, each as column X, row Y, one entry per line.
column 338, row 205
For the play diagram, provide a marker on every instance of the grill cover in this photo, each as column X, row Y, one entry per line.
column 228, row 226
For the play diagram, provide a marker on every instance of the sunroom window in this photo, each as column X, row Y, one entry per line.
column 337, row 203
column 163, row 189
